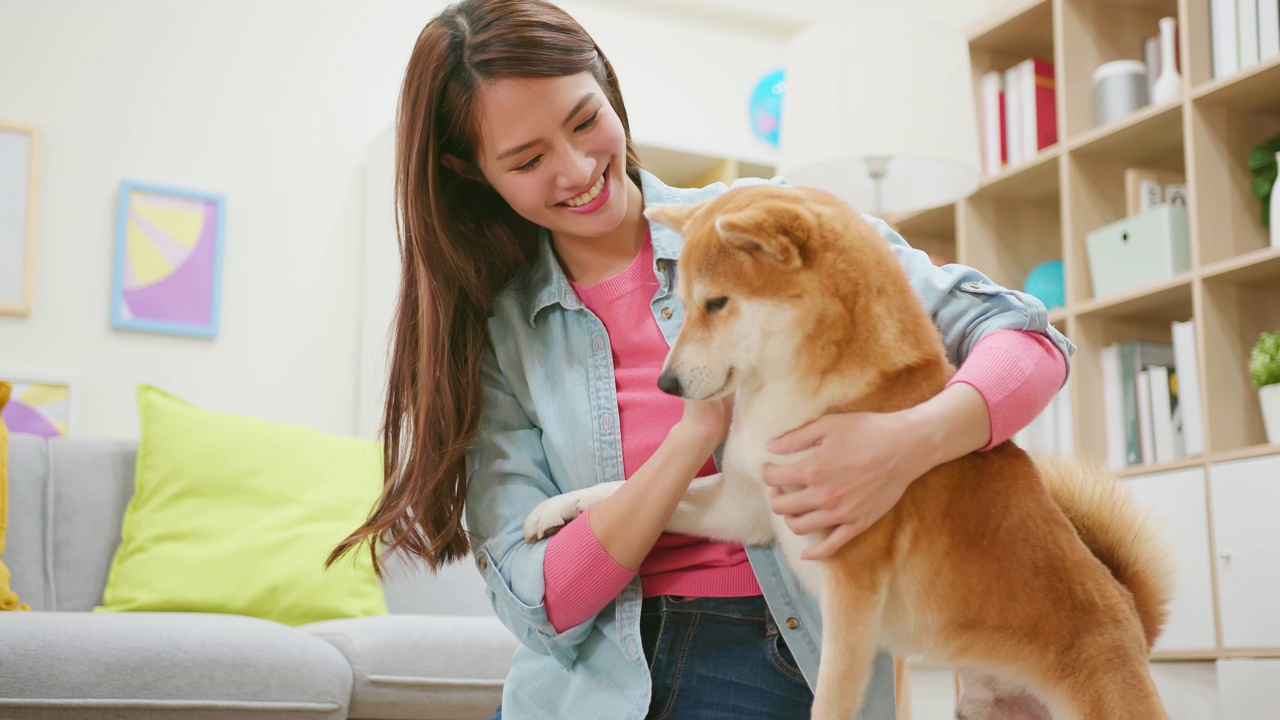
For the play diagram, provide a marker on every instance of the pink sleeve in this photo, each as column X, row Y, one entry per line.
column 1017, row 373
column 580, row 576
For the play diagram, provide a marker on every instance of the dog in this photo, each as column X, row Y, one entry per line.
column 1038, row 580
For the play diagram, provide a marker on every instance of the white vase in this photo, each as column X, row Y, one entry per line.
column 1168, row 86
column 1269, row 398
column 1275, row 209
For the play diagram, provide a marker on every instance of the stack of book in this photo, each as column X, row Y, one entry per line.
column 1151, row 400
column 1019, row 114
column 1050, row 433
column 1243, row 33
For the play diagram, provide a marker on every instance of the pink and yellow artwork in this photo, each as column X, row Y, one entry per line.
column 39, row 408
column 168, row 260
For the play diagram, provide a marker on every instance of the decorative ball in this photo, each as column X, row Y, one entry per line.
column 1045, row 283
column 765, row 108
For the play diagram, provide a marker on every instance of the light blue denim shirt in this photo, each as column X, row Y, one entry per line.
column 550, row 425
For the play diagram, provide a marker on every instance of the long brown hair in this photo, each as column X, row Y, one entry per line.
column 460, row 244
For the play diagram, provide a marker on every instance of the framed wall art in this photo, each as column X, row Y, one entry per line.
column 39, row 406
column 168, row 260
column 19, row 161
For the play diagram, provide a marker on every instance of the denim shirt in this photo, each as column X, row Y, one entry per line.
column 549, row 425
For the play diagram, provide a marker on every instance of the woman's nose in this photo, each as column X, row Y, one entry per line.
column 576, row 170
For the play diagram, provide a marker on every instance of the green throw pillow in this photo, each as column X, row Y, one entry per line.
column 234, row 514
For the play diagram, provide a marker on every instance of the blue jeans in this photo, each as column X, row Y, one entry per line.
column 718, row 659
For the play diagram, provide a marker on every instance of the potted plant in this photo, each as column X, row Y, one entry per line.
column 1264, row 369
column 1263, row 163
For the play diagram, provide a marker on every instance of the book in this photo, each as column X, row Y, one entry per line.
column 1163, row 412
column 1188, row 364
column 1013, row 115
column 993, row 147
column 1224, row 37
column 1145, row 188
column 1268, row 29
column 1135, row 356
column 1146, row 430
column 1038, row 97
column 1247, row 32
column 1113, row 407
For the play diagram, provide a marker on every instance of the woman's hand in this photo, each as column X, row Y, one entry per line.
column 705, row 422
column 860, row 464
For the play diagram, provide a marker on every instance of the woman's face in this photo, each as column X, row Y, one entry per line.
column 555, row 150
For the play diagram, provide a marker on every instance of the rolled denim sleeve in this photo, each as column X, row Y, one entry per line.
column 507, row 475
column 967, row 305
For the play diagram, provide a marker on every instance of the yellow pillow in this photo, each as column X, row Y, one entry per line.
column 8, row 599
column 234, row 514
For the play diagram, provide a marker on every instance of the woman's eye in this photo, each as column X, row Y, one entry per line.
column 530, row 165
column 716, row 304
column 588, row 122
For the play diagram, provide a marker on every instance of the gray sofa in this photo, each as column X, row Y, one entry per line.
column 439, row 655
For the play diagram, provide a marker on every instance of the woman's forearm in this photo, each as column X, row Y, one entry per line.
column 629, row 522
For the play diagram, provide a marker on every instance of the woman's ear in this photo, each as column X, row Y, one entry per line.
column 461, row 167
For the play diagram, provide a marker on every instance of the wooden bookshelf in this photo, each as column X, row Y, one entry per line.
column 1043, row 208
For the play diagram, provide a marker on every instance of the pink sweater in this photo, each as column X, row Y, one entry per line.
column 1017, row 374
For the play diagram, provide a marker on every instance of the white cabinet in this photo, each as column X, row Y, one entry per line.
column 1177, row 501
column 1189, row 690
column 1249, row 689
column 1246, row 527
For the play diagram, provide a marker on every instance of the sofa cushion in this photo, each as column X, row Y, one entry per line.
column 403, row 663
column 166, row 665
column 235, row 514
column 8, row 598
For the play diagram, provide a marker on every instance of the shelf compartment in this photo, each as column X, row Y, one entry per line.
column 1148, row 135
column 932, row 230
column 1238, row 306
column 1226, row 217
column 1094, row 32
column 1254, row 89
column 1161, row 303
column 1035, row 179
column 1006, row 237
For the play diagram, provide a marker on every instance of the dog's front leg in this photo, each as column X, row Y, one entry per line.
column 852, row 606
column 555, row 512
column 724, row 507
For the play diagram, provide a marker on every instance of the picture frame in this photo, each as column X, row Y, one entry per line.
column 167, row 274
column 19, row 193
column 40, row 405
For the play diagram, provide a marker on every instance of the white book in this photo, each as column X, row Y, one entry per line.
column 1188, row 364
column 1247, row 17
column 1268, row 29
column 1162, row 429
column 1224, row 37
column 1027, row 96
column 991, row 122
column 1146, row 433
column 1013, row 115
column 1113, row 407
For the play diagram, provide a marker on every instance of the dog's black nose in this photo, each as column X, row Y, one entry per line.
column 669, row 384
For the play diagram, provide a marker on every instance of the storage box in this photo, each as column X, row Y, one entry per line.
column 1139, row 250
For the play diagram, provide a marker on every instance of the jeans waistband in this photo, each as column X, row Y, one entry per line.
column 752, row 606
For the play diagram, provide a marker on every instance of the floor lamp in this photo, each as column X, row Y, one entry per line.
column 880, row 110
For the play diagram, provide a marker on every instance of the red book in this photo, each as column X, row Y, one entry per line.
column 1046, row 104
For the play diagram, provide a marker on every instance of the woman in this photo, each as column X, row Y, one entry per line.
column 536, row 307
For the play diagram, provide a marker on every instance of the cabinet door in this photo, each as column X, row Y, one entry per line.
column 1246, row 528
column 1250, row 689
column 1177, row 501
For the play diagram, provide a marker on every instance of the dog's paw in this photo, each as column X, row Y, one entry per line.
column 552, row 514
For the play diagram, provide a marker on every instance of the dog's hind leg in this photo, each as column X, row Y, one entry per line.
column 850, row 637
column 1115, row 691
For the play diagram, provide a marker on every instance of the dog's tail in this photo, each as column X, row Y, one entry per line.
column 1117, row 532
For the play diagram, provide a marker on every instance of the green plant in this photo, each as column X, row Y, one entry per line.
column 1262, row 163
column 1264, row 360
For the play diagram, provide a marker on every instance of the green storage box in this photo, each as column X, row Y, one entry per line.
column 1139, row 250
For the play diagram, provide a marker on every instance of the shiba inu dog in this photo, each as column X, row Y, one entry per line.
column 1039, row 581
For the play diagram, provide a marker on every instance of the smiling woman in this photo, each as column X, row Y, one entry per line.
column 537, row 307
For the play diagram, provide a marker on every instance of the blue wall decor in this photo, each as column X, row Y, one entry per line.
column 1045, row 282
column 765, row 108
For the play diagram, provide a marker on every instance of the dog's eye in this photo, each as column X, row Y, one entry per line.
column 716, row 304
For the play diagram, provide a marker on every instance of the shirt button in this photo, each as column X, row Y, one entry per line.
column 792, row 623
column 483, row 562
column 666, row 313
column 599, row 344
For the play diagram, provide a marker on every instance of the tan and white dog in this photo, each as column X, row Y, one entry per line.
column 1039, row 581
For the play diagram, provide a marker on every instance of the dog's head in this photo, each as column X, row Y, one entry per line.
column 766, row 272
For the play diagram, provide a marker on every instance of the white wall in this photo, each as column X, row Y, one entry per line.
column 276, row 105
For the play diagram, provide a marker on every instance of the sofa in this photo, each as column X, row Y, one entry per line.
column 440, row 653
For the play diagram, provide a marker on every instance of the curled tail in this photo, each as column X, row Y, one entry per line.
column 1117, row 532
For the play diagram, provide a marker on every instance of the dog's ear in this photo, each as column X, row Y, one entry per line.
column 675, row 217
column 770, row 228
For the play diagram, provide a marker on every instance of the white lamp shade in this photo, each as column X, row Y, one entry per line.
column 881, row 83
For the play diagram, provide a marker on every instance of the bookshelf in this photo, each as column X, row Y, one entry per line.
column 1042, row 209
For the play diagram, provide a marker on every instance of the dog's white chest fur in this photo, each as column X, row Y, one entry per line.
column 758, row 418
